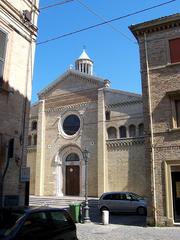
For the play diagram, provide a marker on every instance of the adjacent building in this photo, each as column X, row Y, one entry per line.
column 18, row 29
column 159, row 44
column 80, row 111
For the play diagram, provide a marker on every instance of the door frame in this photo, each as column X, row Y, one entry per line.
column 169, row 168
column 63, row 153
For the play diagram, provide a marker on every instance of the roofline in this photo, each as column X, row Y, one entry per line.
column 155, row 25
column 123, row 92
column 52, row 84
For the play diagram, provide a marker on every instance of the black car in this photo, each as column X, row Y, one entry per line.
column 36, row 223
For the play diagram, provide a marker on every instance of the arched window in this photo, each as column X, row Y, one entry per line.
column 72, row 157
column 141, row 130
column 132, row 131
column 122, row 132
column 112, row 133
column 34, row 125
column 29, row 140
column 35, row 139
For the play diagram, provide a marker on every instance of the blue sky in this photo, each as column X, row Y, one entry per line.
column 114, row 51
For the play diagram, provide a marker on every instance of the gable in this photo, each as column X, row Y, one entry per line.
column 71, row 81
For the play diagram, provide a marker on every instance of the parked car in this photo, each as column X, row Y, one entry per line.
column 124, row 202
column 37, row 223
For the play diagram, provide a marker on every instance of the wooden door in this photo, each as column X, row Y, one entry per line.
column 176, row 195
column 72, row 180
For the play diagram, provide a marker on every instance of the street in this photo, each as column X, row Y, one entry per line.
column 123, row 227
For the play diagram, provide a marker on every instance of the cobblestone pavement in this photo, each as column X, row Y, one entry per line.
column 125, row 227
column 93, row 231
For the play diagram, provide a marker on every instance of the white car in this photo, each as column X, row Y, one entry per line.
column 124, row 202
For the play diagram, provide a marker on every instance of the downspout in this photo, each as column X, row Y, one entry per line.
column 152, row 133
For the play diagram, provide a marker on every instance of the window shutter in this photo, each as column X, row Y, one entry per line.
column 174, row 46
column 3, row 40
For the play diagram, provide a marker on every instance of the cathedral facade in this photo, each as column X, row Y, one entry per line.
column 80, row 111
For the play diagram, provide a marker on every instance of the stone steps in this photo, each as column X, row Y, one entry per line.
column 62, row 202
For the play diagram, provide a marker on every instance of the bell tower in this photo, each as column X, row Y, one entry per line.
column 84, row 64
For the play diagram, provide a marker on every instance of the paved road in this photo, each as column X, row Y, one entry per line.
column 125, row 227
column 92, row 231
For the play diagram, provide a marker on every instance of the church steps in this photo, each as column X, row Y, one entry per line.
column 62, row 202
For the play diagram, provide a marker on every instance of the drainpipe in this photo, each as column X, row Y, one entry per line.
column 152, row 133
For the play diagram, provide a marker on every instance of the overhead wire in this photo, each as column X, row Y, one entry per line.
column 105, row 22
column 55, row 4
column 102, row 18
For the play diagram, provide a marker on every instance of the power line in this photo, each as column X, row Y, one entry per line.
column 56, row 4
column 105, row 22
column 102, row 18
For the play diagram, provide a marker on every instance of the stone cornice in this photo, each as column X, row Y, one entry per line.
column 72, row 106
column 156, row 25
column 118, row 144
column 123, row 104
column 17, row 15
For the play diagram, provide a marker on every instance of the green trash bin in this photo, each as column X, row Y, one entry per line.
column 74, row 209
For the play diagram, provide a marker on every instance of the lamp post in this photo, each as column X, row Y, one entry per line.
column 86, row 207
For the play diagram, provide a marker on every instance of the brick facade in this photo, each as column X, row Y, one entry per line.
column 160, row 85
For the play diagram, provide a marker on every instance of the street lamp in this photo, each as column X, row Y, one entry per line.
column 86, row 207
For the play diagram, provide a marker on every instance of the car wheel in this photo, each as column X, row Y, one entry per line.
column 141, row 211
column 103, row 208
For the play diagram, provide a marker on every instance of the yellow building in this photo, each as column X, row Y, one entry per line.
column 18, row 29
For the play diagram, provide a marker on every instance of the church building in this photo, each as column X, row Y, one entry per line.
column 80, row 111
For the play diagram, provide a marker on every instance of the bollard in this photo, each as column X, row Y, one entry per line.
column 105, row 217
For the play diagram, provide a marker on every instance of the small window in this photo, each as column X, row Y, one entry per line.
column 72, row 157
column 3, row 41
column 34, row 125
column 141, row 130
column 174, row 46
column 177, row 109
column 122, row 132
column 132, row 131
column 108, row 115
column 112, row 133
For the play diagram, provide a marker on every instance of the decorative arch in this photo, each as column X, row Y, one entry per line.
column 122, row 132
column 112, row 133
column 132, row 130
column 62, row 166
column 34, row 125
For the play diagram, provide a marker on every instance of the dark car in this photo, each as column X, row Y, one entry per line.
column 37, row 223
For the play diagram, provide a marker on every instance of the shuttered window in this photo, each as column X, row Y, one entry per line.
column 174, row 45
column 3, row 40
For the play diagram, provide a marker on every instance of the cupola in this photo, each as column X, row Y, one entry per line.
column 84, row 64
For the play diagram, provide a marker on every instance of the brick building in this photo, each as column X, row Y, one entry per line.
column 159, row 44
column 18, row 21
